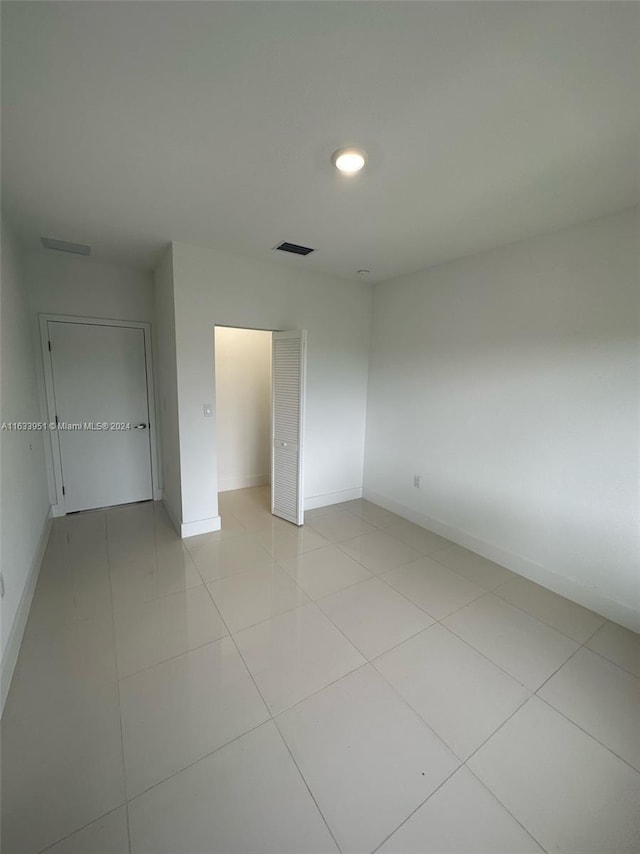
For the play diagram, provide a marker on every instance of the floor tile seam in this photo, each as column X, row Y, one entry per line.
column 115, row 644
column 506, row 809
column 609, row 660
column 324, row 595
column 121, row 611
column 582, row 646
column 414, row 711
column 377, row 574
column 338, row 629
column 414, row 811
column 344, row 539
column 130, row 798
column 497, row 730
column 395, row 645
column 362, row 519
column 422, row 608
column 229, row 536
column 558, row 669
column 210, row 753
column 300, row 554
column 264, row 565
column 83, row 827
column 271, row 617
column 487, row 657
column 432, row 557
column 466, row 643
column 531, row 616
column 590, row 734
column 495, row 589
column 306, row 785
column 277, row 714
column 601, row 655
column 172, row 658
column 539, row 619
column 242, row 659
column 193, row 552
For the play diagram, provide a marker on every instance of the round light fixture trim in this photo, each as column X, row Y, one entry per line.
column 349, row 161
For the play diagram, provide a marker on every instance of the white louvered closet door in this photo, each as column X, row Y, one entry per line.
column 289, row 361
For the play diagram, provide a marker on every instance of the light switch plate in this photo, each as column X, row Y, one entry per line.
column 207, row 409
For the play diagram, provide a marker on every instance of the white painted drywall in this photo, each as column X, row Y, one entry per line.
column 61, row 283
column 217, row 288
column 23, row 482
column 509, row 381
column 243, row 407
column 167, row 389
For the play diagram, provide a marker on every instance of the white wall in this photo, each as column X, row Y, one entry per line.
column 509, row 381
column 167, row 389
column 217, row 288
column 23, row 483
column 61, row 283
column 243, row 407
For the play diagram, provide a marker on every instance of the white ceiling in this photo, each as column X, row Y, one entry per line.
column 127, row 125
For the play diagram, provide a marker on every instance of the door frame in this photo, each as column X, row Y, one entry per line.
column 53, row 443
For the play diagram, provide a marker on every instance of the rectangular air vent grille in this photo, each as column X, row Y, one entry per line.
column 293, row 248
column 65, row 246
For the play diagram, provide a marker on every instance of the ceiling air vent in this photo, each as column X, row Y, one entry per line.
column 65, row 246
column 294, row 248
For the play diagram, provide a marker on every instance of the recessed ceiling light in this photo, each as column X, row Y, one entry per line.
column 349, row 160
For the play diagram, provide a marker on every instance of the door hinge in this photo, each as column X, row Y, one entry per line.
column 56, row 420
column 49, row 343
column 63, row 491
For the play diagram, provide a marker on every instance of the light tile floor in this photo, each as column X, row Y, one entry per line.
column 357, row 685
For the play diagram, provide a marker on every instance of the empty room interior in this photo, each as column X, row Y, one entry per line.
column 320, row 447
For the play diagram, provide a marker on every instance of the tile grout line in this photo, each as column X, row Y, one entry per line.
column 208, row 755
column 486, row 786
column 272, row 718
column 413, row 812
column 508, row 811
column 113, row 622
column 493, row 590
column 306, row 784
column 586, row 732
column 566, row 717
column 84, row 826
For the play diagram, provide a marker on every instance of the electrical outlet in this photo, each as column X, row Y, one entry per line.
column 417, row 481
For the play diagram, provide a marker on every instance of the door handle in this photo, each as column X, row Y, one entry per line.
column 141, row 426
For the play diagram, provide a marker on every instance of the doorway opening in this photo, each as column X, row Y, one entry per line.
column 243, row 423
column 260, row 380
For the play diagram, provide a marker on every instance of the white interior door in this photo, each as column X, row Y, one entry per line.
column 289, row 362
column 100, row 380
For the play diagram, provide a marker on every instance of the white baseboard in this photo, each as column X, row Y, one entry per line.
column 618, row 612
column 226, row 484
column 202, row 526
column 315, row 501
column 10, row 656
column 191, row 529
column 58, row 510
